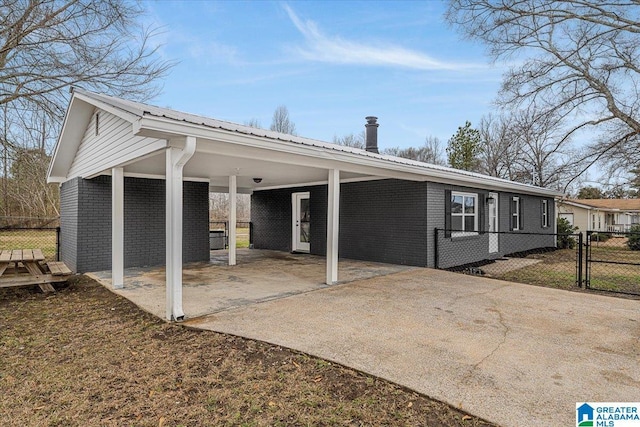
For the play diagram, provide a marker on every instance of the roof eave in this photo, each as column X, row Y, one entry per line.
column 172, row 126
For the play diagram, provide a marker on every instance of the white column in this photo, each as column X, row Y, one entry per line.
column 175, row 161
column 333, row 217
column 117, row 228
column 233, row 191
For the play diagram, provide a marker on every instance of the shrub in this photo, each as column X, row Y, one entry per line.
column 600, row 237
column 564, row 229
column 634, row 238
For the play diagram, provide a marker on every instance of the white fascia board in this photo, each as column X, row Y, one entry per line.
column 56, row 179
column 75, row 122
column 148, row 176
column 124, row 115
column 380, row 165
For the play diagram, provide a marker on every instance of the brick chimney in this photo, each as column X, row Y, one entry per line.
column 371, row 132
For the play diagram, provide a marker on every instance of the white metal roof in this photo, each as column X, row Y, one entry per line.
column 140, row 115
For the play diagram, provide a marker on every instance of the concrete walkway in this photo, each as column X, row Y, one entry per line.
column 511, row 353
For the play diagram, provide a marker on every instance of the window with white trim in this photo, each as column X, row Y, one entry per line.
column 464, row 213
column 515, row 213
column 545, row 213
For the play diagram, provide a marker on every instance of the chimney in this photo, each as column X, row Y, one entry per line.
column 371, row 132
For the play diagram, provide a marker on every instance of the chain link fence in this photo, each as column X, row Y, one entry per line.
column 613, row 261
column 45, row 238
column 599, row 261
column 544, row 259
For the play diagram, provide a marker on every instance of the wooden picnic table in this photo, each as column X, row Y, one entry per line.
column 28, row 268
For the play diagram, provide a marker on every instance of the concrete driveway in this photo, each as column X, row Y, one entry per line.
column 511, row 353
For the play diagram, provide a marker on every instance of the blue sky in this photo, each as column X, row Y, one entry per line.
column 331, row 63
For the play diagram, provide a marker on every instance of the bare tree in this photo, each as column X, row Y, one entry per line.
column 46, row 46
column 253, row 123
column 527, row 147
column 500, row 149
column 219, row 207
column 545, row 156
column 281, row 121
column 431, row 151
column 351, row 140
column 577, row 59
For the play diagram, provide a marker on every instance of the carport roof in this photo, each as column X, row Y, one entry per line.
column 148, row 119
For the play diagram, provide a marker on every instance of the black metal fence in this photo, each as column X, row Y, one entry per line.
column 536, row 258
column 244, row 232
column 613, row 262
column 594, row 260
column 45, row 238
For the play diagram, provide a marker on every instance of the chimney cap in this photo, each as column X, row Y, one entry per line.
column 371, row 120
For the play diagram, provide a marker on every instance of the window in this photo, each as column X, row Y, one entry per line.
column 516, row 213
column 545, row 213
column 464, row 213
column 593, row 221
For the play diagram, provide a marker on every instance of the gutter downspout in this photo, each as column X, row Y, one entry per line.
column 176, row 158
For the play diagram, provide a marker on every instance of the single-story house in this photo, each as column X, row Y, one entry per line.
column 135, row 180
column 603, row 215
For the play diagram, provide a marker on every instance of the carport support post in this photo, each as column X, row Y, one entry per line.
column 117, row 228
column 175, row 161
column 333, row 217
column 233, row 191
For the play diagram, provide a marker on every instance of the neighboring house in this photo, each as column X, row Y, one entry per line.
column 605, row 215
column 135, row 181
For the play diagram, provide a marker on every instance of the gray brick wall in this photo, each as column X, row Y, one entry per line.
column 69, row 223
column 86, row 227
column 393, row 221
column 271, row 217
column 195, row 222
column 94, row 224
column 371, row 225
column 384, row 221
column 454, row 251
column 519, row 241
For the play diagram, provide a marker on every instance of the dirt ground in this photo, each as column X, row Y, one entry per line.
column 84, row 356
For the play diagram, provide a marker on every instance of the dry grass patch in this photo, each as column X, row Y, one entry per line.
column 84, row 356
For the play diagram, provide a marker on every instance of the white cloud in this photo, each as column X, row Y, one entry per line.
column 320, row 47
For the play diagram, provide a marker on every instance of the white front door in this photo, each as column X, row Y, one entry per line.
column 301, row 225
column 493, row 223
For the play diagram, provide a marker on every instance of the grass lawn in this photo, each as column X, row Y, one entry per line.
column 557, row 269
column 86, row 357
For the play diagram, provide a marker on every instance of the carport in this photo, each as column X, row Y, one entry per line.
column 107, row 136
column 260, row 276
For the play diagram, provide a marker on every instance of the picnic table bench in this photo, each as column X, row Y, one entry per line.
column 28, row 268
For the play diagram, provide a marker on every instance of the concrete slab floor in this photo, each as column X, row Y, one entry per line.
column 511, row 353
column 261, row 275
